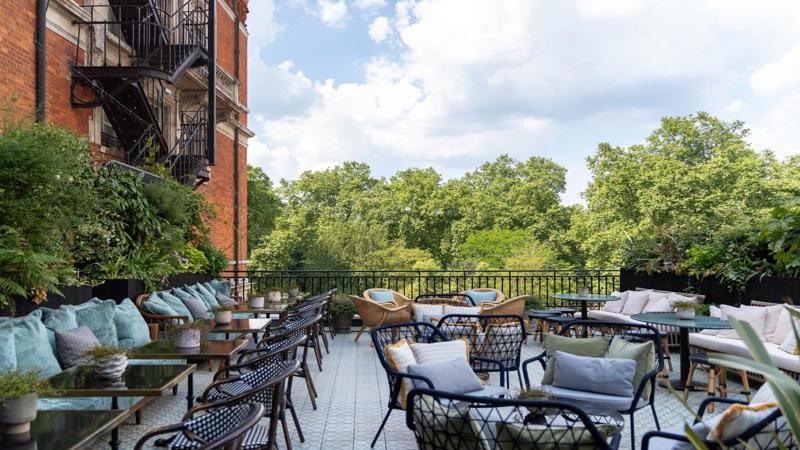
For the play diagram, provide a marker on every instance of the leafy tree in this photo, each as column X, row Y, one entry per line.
column 488, row 249
column 263, row 206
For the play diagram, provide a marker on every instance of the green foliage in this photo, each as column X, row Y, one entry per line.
column 14, row 384
column 342, row 305
column 26, row 273
column 782, row 232
column 191, row 259
column 685, row 304
column 488, row 249
column 217, row 261
column 263, row 206
column 103, row 351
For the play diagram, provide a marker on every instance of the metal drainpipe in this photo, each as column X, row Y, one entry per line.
column 212, row 81
column 236, row 69
column 40, row 42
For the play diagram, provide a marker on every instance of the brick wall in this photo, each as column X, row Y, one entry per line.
column 17, row 68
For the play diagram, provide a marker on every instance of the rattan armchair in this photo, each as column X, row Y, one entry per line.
column 514, row 307
column 399, row 299
column 498, row 298
column 376, row 314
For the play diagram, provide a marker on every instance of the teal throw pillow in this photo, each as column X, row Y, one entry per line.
column 208, row 296
column 155, row 305
column 223, row 286
column 479, row 297
column 99, row 318
column 132, row 330
column 32, row 346
column 175, row 303
column 381, row 296
column 8, row 354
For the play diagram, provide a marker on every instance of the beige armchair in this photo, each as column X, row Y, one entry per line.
column 399, row 299
column 499, row 296
column 376, row 314
column 514, row 306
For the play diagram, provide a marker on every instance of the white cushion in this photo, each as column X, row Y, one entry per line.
column 771, row 321
column 423, row 310
column 754, row 315
column 449, row 309
column 713, row 311
column 737, row 347
column 789, row 345
column 736, row 421
column 660, row 302
column 400, row 356
column 440, row 351
column 610, row 316
column 617, row 305
column 635, row 302
column 782, row 327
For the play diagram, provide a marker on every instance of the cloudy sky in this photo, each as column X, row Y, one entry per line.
column 452, row 83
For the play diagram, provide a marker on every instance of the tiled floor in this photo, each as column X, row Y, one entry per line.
column 352, row 397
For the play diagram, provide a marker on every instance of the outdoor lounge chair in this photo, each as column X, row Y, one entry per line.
column 625, row 405
column 481, row 295
column 398, row 298
column 442, row 421
column 376, row 314
column 514, row 306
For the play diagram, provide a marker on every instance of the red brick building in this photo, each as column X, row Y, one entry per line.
column 157, row 86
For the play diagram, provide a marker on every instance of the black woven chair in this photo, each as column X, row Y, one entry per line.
column 443, row 421
column 218, row 426
column 266, row 385
column 444, row 299
column 629, row 332
column 495, row 341
column 770, row 433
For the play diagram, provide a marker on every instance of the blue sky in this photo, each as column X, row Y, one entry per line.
column 452, row 83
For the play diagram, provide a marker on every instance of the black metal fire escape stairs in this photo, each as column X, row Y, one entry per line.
column 136, row 47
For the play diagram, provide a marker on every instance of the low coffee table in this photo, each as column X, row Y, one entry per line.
column 146, row 380
column 209, row 350
column 66, row 429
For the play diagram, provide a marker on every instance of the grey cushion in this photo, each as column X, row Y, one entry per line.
column 611, row 401
column 224, row 300
column 72, row 344
column 454, row 376
column 489, row 391
column 601, row 375
column 196, row 307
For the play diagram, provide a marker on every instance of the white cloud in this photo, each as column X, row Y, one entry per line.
column 734, row 106
column 369, row 4
column 778, row 130
column 380, row 29
column 332, row 12
column 779, row 74
column 262, row 26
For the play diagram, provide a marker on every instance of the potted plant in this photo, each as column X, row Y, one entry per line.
column 223, row 314
column 109, row 362
column 275, row 294
column 294, row 290
column 189, row 334
column 342, row 309
column 20, row 395
column 536, row 413
column 684, row 309
column 256, row 301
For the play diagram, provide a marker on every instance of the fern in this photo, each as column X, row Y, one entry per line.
column 25, row 273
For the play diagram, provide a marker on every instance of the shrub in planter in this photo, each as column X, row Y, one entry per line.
column 189, row 335
column 19, row 394
column 342, row 309
column 223, row 314
column 685, row 309
column 109, row 362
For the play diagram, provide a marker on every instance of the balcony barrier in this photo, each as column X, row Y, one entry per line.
column 539, row 284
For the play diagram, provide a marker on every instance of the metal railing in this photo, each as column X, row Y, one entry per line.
column 539, row 284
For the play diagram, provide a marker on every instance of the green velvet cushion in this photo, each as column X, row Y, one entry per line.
column 175, row 303
column 223, row 286
column 32, row 346
column 515, row 436
column 208, row 296
column 155, row 305
column 8, row 355
column 132, row 330
column 99, row 318
column 644, row 353
column 595, row 347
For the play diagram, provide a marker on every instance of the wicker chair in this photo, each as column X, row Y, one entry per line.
column 514, row 306
column 399, row 299
column 614, row 330
column 443, row 421
column 444, row 299
column 376, row 314
column 219, row 426
column 499, row 297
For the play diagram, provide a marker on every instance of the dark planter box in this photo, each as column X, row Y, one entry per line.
column 73, row 295
column 768, row 289
column 180, row 279
column 119, row 289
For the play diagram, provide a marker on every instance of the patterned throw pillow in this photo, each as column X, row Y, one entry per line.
column 72, row 344
column 224, row 300
column 196, row 307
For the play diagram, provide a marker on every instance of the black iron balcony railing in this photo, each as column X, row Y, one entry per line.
column 539, row 284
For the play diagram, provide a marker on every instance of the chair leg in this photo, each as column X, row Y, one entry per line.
column 290, row 404
column 655, row 416
column 689, row 377
column 312, row 392
column 383, row 424
column 633, row 431
column 318, row 354
column 745, row 384
column 723, row 382
column 360, row 330
column 286, row 437
column 519, row 378
column 712, row 390
column 665, row 346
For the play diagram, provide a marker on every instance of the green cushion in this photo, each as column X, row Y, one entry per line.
column 223, row 286
column 132, row 330
column 515, row 436
column 99, row 318
column 644, row 353
column 595, row 347
column 8, row 356
column 208, row 296
column 155, row 305
column 176, row 304
column 32, row 346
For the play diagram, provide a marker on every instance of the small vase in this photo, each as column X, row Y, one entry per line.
column 223, row 317
column 275, row 296
column 685, row 313
column 111, row 367
column 17, row 413
column 187, row 338
column 294, row 292
column 583, row 290
column 256, row 302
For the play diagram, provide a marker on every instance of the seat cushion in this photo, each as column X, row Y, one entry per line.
column 381, row 295
column 8, row 354
column 479, row 297
column 85, row 403
column 472, row 310
column 175, row 303
column 489, row 390
column 516, row 435
column 611, row 401
column 737, row 347
column 32, row 345
column 609, row 316
column 155, row 305
column 99, row 318
column 132, row 330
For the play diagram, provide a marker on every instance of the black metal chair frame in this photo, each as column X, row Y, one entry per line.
column 738, row 442
column 481, row 360
column 630, row 332
column 466, row 401
column 231, row 440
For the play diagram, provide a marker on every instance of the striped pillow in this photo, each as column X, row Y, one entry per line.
column 399, row 356
column 420, row 311
column 440, row 351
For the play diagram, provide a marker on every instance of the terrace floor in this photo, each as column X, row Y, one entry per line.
column 352, row 400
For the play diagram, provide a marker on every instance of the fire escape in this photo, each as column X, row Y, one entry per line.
column 136, row 50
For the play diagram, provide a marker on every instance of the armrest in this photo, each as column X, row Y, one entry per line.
column 541, row 358
column 215, row 384
column 158, row 431
column 153, row 328
column 709, row 400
